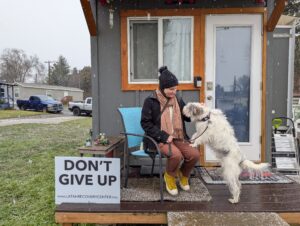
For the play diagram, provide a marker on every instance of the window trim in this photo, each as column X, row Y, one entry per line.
column 49, row 93
column 17, row 92
column 129, row 19
column 159, row 20
column 2, row 92
column 196, row 45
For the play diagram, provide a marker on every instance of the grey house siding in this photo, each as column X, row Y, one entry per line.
column 106, row 66
column 277, row 81
column 280, row 63
column 106, row 88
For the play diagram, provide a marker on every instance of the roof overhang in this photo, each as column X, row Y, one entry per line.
column 88, row 14
column 7, row 84
column 272, row 22
column 277, row 11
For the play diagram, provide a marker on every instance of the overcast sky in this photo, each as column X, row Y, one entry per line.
column 46, row 29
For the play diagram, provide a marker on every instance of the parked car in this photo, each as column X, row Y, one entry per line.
column 79, row 107
column 40, row 103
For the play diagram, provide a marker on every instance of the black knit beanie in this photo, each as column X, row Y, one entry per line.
column 166, row 79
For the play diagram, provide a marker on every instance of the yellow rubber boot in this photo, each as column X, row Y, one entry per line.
column 183, row 182
column 170, row 184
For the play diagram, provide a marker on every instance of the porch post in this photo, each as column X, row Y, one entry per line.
column 95, row 73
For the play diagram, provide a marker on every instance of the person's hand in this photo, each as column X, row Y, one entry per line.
column 170, row 139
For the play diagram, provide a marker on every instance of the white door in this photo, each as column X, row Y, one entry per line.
column 233, row 72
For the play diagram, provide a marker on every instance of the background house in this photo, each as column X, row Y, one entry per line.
column 6, row 95
column 25, row 90
column 231, row 46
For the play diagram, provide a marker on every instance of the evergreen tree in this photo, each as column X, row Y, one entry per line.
column 60, row 72
column 85, row 81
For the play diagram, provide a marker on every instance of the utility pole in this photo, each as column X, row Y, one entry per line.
column 49, row 69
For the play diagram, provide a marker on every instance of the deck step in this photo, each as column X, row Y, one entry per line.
column 224, row 219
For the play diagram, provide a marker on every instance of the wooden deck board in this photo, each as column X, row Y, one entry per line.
column 281, row 198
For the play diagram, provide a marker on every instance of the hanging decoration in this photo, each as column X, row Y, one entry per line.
column 111, row 18
column 109, row 4
column 106, row 3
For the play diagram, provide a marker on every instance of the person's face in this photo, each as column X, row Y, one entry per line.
column 170, row 92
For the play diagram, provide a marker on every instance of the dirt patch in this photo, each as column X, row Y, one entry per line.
column 41, row 120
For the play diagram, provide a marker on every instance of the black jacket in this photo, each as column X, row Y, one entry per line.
column 151, row 123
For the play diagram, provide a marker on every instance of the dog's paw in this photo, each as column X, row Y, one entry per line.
column 233, row 201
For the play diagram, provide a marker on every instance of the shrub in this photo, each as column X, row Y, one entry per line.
column 65, row 100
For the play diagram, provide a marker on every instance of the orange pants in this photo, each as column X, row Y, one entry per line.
column 181, row 150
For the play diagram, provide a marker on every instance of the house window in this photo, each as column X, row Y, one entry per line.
column 156, row 42
column 17, row 92
column 143, row 51
column 49, row 93
column 2, row 92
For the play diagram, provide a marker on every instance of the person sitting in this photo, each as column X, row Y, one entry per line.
column 162, row 119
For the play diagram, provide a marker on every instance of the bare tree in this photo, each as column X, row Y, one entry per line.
column 15, row 65
column 293, row 9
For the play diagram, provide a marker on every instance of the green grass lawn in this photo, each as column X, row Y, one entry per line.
column 5, row 114
column 27, row 154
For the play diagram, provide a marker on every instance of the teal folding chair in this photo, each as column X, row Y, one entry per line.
column 134, row 134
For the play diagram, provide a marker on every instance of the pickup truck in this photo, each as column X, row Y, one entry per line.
column 40, row 103
column 79, row 107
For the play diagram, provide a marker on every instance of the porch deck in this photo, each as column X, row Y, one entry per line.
column 283, row 199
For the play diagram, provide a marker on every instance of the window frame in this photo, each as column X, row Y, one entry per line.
column 159, row 20
column 196, row 46
column 49, row 93
column 2, row 92
column 17, row 92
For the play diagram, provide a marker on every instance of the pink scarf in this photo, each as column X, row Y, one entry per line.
column 171, row 125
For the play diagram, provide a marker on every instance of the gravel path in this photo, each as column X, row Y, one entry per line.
column 42, row 120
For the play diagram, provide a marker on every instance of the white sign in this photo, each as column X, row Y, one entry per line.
column 87, row 180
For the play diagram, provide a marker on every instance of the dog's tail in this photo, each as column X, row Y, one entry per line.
column 247, row 164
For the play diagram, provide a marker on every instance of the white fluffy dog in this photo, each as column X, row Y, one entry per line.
column 213, row 129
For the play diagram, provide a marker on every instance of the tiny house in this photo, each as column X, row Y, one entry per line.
column 225, row 53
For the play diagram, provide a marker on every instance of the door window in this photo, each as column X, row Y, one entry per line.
column 233, row 69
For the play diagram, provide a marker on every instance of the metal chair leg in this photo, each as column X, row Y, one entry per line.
column 126, row 166
column 153, row 163
column 161, row 180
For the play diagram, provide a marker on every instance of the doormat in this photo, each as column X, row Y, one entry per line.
column 224, row 219
column 213, row 176
column 295, row 178
column 147, row 190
